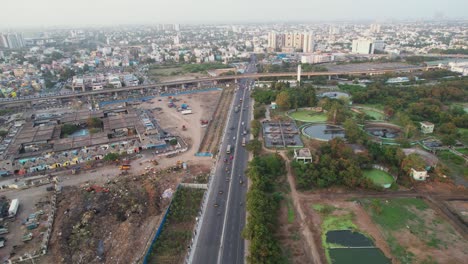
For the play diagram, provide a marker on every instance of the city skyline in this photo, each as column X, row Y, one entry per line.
column 106, row 12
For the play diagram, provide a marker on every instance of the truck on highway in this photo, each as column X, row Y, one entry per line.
column 228, row 150
column 14, row 205
column 243, row 141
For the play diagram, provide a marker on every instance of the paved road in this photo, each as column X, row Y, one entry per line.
column 220, row 238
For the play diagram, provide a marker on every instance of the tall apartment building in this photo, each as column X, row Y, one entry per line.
column 308, row 43
column 12, row 40
column 290, row 41
column 363, row 46
column 271, row 38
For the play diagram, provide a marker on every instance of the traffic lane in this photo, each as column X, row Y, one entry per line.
column 233, row 250
column 234, row 243
column 210, row 233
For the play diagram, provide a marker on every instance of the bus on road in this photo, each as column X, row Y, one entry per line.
column 243, row 142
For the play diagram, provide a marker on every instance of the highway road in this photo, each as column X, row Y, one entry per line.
column 220, row 239
column 252, row 75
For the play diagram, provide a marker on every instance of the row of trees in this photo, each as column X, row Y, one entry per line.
column 302, row 96
column 262, row 205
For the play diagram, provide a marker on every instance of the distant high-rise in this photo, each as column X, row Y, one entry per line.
column 375, row 28
column 291, row 41
column 333, row 30
column 12, row 41
column 3, row 41
column 272, row 40
column 308, row 43
column 363, row 46
column 177, row 27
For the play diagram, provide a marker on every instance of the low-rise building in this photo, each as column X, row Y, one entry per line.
column 419, row 175
column 427, row 127
column 303, row 155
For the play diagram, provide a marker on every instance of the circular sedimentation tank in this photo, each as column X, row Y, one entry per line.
column 323, row 132
column 383, row 130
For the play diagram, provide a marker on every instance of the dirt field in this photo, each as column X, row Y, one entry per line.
column 460, row 208
column 415, row 232
column 111, row 224
column 216, row 126
column 289, row 234
column 203, row 106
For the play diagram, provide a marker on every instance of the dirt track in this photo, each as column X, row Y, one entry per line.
column 215, row 128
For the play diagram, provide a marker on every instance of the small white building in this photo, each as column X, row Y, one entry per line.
column 303, row 155
column 274, row 105
column 427, row 127
column 419, row 175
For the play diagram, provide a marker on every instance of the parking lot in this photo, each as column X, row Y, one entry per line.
column 26, row 229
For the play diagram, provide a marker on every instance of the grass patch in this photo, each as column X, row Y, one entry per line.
column 463, row 135
column 395, row 213
column 324, row 209
column 400, row 252
column 170, row 71
column 308, row 116
column 454, row 163
column 291, row 213
column 374, row 114
column 178, row 228
column 463, row 151
column 378, row 177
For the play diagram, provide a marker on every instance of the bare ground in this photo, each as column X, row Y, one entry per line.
column 109, row 227
column 203, row 106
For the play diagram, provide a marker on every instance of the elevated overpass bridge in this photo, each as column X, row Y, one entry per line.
column 181, row 83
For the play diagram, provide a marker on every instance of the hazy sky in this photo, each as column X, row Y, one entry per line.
column 14, row 13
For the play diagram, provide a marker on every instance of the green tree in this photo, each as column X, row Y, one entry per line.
column 173, row 142
column 111, row 156
column 255, row 146
column 412, row 161
column 68, row 129
column 282, row 100
column 353, row 132
column 255, row 128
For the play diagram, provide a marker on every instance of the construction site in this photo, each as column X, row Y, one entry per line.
column 113, row 221
column 107, row 210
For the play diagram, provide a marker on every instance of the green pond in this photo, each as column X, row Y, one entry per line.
column 358, row 255
column 348, row 238
column 348, row 247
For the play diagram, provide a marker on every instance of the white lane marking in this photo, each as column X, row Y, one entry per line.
column 230, row 183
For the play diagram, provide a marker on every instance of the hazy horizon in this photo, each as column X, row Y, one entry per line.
column 39, row 13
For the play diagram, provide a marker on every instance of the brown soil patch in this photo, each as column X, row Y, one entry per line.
column 109, row 227
column 289, row 234
column 460, row 208
column 450, row 248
